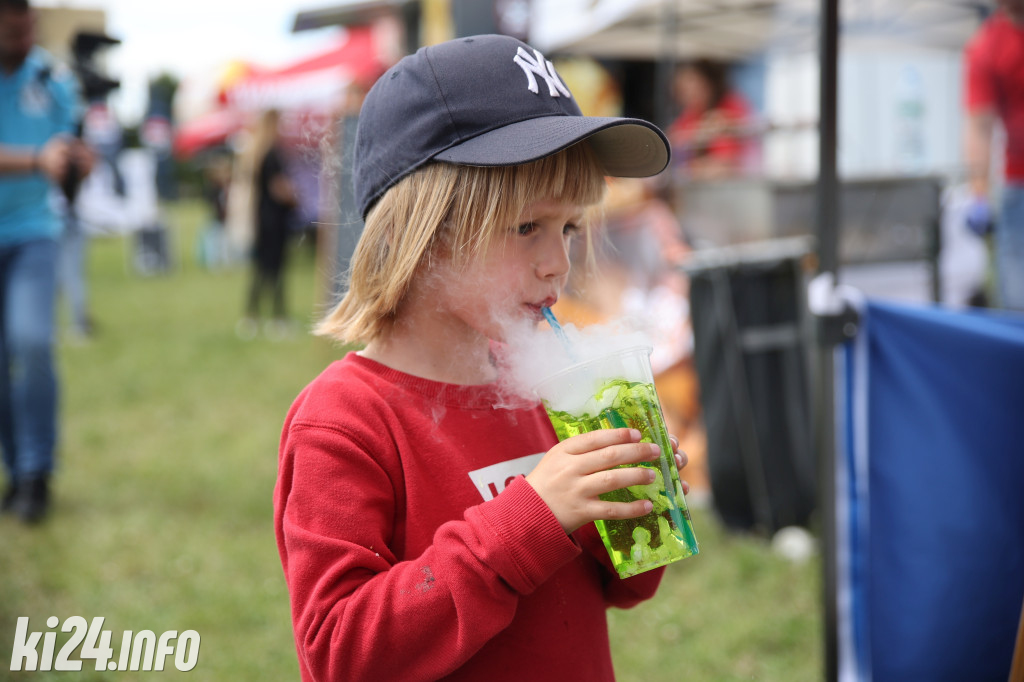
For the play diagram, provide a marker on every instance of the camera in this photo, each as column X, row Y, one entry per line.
column 95, row 86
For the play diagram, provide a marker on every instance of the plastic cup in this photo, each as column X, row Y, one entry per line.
column 615, row 391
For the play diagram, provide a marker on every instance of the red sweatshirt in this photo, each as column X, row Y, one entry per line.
column 413, row 548
column 995, row 80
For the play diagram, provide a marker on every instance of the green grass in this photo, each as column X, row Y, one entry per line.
column 162, row 515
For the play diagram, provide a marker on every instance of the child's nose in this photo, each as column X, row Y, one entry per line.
column 554, row 260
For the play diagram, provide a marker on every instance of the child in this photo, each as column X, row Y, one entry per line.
column 425, row 532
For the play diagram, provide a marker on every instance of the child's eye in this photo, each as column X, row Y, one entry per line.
column 571, row 229
column 527, row 228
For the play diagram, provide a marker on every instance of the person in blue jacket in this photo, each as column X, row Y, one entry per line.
column 39, row 103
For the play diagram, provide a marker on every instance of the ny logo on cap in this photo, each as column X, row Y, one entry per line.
column 537, row 64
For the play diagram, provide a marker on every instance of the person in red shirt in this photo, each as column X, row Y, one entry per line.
column 430, row 526
column 995, row 91
column 710, row 135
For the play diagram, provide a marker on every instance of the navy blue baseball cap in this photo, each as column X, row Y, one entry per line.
column 488, row 100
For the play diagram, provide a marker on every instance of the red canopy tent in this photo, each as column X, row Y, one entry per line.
column 208, row 130
column 311, row 87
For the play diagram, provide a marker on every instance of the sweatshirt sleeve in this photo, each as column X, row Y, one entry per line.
column 361, row 614
column 623, row 593
column 979, row 84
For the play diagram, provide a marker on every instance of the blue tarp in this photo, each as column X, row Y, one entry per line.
column 930, row 494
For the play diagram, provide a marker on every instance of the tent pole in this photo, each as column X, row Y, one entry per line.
column 827, row 207
column 827, row 227
column 666, row 65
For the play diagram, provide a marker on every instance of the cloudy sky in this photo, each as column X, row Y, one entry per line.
column 196, row 38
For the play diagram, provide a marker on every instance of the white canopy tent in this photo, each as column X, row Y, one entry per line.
column 732, row 29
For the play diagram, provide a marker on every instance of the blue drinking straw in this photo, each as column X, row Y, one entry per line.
column 559, row 332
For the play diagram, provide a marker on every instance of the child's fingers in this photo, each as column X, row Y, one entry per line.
column 599, row 509
column 681, row 459
column 606, row 481
column 602, row 438
column 614, row 456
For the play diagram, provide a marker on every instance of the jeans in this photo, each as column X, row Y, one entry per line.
column 1010, row 247
column 28, row 382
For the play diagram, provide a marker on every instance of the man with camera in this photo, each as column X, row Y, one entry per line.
column 39, row 104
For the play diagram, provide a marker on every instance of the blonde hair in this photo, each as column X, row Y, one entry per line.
column 454, row 211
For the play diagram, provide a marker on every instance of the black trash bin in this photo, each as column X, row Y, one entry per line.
column 751, row 349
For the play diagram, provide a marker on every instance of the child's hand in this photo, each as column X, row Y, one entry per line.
column 681, row 461
column 573, row 473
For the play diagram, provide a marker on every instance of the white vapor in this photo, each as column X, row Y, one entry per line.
column 533, row 353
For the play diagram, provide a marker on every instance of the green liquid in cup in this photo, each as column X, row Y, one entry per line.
column 666, row 534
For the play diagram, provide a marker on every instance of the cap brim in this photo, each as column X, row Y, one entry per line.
column 626, row 147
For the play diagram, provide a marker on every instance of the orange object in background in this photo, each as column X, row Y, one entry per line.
column 639, row 247
column 677, row 389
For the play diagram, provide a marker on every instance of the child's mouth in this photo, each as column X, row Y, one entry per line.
column 537, row 309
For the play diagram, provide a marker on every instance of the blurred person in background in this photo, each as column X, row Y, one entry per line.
column 995, row 91
column 38, row 106
column 104, row 137
column 71, row 275
column 275, row 201
column 709, row 137
column 213, row 244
